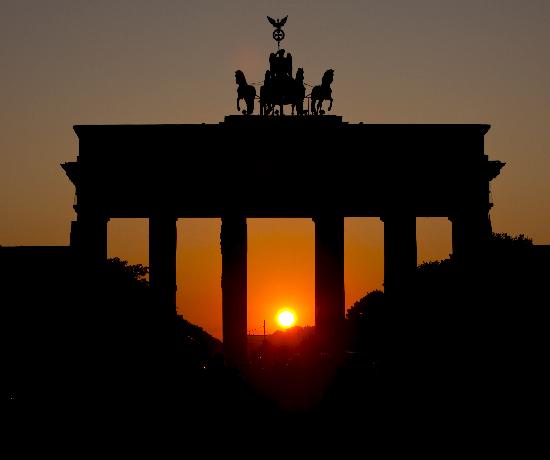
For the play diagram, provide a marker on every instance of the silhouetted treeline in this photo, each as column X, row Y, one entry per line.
column 471, row 337
column 195, row 349
column 91, row 335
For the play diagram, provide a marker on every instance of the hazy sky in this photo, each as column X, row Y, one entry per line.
column 396, row 61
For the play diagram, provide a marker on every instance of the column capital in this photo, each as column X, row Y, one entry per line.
column 163, row 215
column 320, row 217
column 397, row 216
column 91, row 213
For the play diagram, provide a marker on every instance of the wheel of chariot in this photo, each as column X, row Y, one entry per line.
column 278, row 34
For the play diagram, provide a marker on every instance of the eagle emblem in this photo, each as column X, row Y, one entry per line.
column 277, row 23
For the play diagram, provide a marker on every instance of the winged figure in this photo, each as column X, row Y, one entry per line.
column 278, row 23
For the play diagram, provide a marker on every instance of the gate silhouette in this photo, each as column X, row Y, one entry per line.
column 308, row 167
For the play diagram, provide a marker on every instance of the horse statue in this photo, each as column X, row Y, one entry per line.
column 321, row 93
column 246, row 92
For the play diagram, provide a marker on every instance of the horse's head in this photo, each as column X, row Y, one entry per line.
column 239, row 77
column 300, row 74
column 328, row 77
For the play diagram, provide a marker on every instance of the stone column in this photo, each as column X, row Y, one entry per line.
column 470, row 234
column 162, row 263
column 400, row 259
column 400, row 255
column 89, row 238
column 329, row 280
column 234, row 289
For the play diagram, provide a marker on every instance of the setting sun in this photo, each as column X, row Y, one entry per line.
column 286, row 318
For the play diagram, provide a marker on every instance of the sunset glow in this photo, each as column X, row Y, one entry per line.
column 67, row 63
column 286, row 318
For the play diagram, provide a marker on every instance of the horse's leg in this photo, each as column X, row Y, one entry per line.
column 261, row 101
column 252, row 97
column 330, row 106
column 238, row 106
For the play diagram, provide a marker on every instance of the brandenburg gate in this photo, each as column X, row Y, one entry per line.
column 316, row 167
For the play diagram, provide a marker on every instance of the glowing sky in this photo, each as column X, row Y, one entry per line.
column 67, row 62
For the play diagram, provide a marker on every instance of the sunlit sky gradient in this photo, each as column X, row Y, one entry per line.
column 66, row 62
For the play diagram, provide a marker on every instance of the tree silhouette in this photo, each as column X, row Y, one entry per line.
column 366, row 323
column 122, row 270
column 503, row 240
column 368, row 307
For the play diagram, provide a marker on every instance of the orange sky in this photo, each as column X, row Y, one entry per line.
column 280, row 263
column 439, row 61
